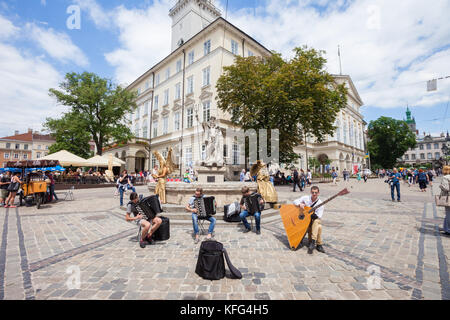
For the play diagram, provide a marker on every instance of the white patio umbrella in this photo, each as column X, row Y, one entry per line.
column 66, row 159
column 102, row 162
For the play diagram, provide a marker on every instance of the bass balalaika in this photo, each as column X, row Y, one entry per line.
column 206, row 207
column 149, row 207
column 252, row 203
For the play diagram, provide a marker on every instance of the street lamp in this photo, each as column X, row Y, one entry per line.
column 446, row 152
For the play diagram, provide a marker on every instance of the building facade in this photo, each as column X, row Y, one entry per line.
column 179, row 93
column 25, row 146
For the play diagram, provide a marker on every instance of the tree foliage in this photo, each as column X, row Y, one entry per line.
column 98, row 105
column 69, row 135
column 389, row 139
column 295, row 96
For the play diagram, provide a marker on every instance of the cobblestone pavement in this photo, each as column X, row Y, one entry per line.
column 366, row 234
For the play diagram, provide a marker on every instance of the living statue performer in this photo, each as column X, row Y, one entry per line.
column 265, row 187
column 166, row 167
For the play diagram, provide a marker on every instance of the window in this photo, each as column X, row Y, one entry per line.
column 206, row 76
column 25, row 156
column 8, row 146
column 437, row 155
column 155, row 129
column 345, row 132
column 6, row 155
column 178, row 91
column 138, row 112
column 190, row 85
column 250, row 54
column 147, row 85
column 25, row 147
column 225, row 151
column 406, row 157
column 166, row 97
column 235, row 154
column 179, row 66
column 136, row 130
column 428, row 146
column 145, row 131
column 38, row 155
column 338, row 130
column 167, row 73
column 206, row 111
column 157, row 79
column 17, row 146
column 188, row 156
column 139, row 92
column 429, row 155
column 203, row 152
column 234, row 47
column 153, row 161
column 190, row 117
column 165, row 125
column 191, row 57
column 39, row 147
column 422, row 156
column 176, row 124
column 436, row 145
column 146, row 108
column 207, row 47
column 413, row 157
column 155, row 107
column 16, row 156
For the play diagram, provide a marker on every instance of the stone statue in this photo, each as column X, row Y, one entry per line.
column 265, row 187
column 213, row 138
column 166, row 167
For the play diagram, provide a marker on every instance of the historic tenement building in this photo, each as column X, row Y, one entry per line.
column 179, row 93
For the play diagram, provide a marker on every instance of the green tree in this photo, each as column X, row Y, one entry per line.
column 313, row 163
column 69, row 135
column 295, row 96
column 99, row 105
column 389, row 139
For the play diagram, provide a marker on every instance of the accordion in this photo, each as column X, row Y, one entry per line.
column 206, row 207
column 149, row 207
column 252, row 203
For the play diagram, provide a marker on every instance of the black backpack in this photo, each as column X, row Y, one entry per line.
column 210, row 262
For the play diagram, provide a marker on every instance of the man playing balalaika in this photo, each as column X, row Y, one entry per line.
column 251, row 204
column 315, row 228
column 201, row 208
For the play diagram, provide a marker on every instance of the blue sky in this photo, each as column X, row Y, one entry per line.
column 389, row 49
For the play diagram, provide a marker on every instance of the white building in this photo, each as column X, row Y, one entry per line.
column 177, row 94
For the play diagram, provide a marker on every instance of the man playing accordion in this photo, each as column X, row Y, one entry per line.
column 200, row 211
column 251, row 204
column 140, row 221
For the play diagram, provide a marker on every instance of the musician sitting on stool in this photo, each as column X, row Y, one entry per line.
column 192, row 208
column 140, row 221
column 315, row 228
column 246, row 211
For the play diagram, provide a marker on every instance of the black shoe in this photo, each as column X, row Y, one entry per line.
column 142, row 244
column 258, row 232
column 247, row 230
column 320, row 248
column 311, row 246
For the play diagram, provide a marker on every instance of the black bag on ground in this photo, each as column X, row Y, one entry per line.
column 163, row 232
column 210, row 262
column 231, row 212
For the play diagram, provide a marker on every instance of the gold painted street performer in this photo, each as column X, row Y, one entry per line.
column 265, row 187
column 166, row 167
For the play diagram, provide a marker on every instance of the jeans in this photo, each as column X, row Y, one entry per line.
column 122, row 190
column 245, row 214
column 52, row 192
column 447, row 220
column 195, row 224
column 395, row 185
column 297, row 183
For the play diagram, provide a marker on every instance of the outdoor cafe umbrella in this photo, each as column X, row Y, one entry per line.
column 67, row 159
column 100, row 161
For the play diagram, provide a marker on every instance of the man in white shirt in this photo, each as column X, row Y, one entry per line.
column 315, row 228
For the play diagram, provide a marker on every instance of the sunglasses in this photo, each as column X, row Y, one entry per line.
column 314, row 192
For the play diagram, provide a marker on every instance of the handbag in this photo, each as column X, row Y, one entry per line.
column 442, row 200
column 13, row 187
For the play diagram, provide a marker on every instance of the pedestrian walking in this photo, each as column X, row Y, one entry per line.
column 334, row 175
column 445, row 192
column 422, row 179
column 395, row 177
column 296, row 177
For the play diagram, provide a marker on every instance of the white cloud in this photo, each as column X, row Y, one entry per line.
column 7, row 29
column 57, row 44
column 96, row 13
column 144, row 39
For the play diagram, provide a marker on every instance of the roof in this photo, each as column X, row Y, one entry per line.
column 352, row 86
column 191, row 40
column 45, row 137
column 20, row 137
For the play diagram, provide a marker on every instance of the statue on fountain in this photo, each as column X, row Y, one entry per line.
column 213, row 140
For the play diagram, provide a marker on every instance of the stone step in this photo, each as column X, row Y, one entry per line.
column 219, row 216
column 181, row 209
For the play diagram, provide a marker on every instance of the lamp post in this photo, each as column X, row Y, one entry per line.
column 446, row 152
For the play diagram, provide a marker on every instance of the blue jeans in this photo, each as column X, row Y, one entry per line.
column 195, row 224
column 447, row 220
column 52, row 192
column 122, row 190
column 395, row 185
column 245, row 214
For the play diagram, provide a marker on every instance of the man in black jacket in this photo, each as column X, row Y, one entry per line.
column 296, row 179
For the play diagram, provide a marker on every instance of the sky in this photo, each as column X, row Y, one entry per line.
column 389, row 48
